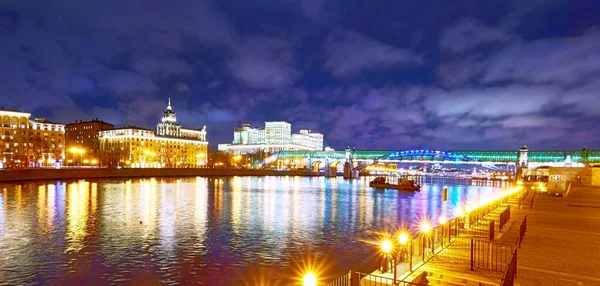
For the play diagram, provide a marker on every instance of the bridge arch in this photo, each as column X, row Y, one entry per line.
column 315, row 166
column 430, row 155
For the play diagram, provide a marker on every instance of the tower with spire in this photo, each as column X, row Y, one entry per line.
column 168, row 125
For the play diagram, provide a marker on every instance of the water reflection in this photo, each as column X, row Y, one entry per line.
column 201, row 229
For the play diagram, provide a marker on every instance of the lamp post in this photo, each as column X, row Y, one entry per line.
column 236, row 159
column 458, row 213
column 387, row 258
column 80, row 151
column 442, row 220
column 403, row 239
column 425, row 229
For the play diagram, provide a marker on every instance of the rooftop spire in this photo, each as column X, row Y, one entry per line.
column 169, row 107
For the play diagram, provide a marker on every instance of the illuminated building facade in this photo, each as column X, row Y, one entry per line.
column 276, row 136
column 29, row 143
column 14, row 132
column 47, row 140
column 170, row 146
column 306, row 138
column 83, row 135
column 278, row 132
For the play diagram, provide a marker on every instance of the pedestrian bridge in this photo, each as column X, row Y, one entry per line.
column 436, row 156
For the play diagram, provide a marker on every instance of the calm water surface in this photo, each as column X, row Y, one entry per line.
column 212, row 231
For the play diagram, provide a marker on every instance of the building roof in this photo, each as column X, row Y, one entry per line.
column 2, row 108
column 132, row 127
column 43, row 120
column 95, row 120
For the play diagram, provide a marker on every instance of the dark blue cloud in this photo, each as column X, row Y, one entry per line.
column 373, row 74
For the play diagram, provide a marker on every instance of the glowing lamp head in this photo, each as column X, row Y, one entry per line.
column 386, row 246
column 425, row 227
column 442, row 220
column 458, row 212
column 403, row 238
column 310, row 279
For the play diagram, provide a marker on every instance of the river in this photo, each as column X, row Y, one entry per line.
column 211, row 231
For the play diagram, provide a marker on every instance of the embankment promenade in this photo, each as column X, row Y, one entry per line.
column 101, row 173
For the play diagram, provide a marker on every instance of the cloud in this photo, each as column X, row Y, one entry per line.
column 159, row 67
column 585, row 98
column 534, row 121
column 564, row 61
column 349, row 53
column 182, row 87
column 128, row 83
column 73, row 83
column 264, row 63
column 491, row 102
column 468, row 34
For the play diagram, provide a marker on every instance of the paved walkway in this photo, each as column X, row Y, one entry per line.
column 562, row 244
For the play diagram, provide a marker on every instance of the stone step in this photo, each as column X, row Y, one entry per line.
column 443, row 281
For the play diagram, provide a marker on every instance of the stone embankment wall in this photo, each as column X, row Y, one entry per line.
column 73, row 174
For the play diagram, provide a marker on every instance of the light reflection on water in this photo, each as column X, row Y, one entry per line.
column 196, row 230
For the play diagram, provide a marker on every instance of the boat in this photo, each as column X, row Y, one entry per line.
column 403, row 184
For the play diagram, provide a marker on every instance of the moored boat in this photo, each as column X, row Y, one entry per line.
column 403, row 185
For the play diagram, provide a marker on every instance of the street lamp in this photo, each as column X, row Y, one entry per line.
column 310, row 279
column 386, row 258
column 80, row 151
column 403, row 239
column 425, row 229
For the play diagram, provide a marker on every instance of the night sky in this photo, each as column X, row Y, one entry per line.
column 370, row 74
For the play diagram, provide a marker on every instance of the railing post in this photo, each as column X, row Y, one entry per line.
column 433, row 242
column 350, row 278
column 491, row 230
column 472, row 256
column 515, row 267
column 423, row 246
column 394, row 269
column 410, row 256
column 456, row 227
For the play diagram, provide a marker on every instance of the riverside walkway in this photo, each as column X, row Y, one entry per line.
column 563, row 240
column 545, row 241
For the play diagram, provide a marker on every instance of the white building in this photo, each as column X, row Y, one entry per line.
column 278, row 132
column 306, row 138
column 254, row 148
column 274, row 137
column 249, row 135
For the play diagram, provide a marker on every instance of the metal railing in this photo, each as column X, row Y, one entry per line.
column 483, row 229
column 522, row 230
column 504, row 218
column 484, row 254
column 345, row 280
column 364, row 279
column 511, row 271
column 490, row 255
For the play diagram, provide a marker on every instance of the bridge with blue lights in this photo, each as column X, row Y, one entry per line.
column 356, row 160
